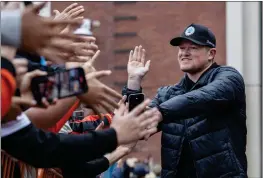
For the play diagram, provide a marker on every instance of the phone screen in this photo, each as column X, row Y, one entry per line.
column 134, row 100
column 59, row 84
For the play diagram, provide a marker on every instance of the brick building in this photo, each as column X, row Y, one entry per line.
column 151, row 24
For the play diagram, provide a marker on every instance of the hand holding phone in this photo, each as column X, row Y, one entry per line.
column 25, row 84
column 59, row 84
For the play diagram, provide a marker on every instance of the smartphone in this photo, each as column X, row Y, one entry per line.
column 134, row 100
column 60, row 84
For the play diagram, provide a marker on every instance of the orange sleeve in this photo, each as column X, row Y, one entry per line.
column 8, row 87
column 56, row 128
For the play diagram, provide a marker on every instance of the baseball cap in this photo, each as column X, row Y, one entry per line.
column 198, row 34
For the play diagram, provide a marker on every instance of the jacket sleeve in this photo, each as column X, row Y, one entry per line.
column 221, row 94
column 46, row 149
column 11, row 28
column 88, row 169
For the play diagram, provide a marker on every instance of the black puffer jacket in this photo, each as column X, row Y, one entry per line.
column 212, row 116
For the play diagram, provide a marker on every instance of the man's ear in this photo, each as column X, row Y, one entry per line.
column 212, row 54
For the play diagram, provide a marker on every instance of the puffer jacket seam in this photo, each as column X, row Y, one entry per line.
column 172, row 134
column 208, row 133
column 221, row 151
column 173, row 149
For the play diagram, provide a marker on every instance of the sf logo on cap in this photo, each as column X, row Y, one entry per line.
column 189, row 31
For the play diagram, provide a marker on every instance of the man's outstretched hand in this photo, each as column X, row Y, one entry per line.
column 137, row 68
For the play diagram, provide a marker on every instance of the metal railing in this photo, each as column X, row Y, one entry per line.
column 13, row 168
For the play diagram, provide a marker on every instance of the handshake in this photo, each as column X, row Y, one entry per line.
column 137, row 124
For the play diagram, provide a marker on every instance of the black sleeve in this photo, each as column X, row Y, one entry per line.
column 126, row 91
column 46, row 149
column 221, row 94
column 88, row 169
column 154, row 103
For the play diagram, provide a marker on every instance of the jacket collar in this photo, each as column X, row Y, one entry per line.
column 202, row 79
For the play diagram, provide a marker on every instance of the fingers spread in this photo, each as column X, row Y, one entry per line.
column 95, row 57
column 98, row 74
column 71, row 6
column 131, row 56
column 135, row 53
column 121, row 110
column 148, row 121
column 111, row 102
column 58, row 22
column 126, row 108
column 107, row 106
column 147, row 65
column 139, row 54
column 143, row 56
column 52, row 55
column 148, row 132
column 76, row 12
column 113, row 93
column 123, row 99
column 96, row 110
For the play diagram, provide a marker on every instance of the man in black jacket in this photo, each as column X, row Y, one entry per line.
column 204, row 115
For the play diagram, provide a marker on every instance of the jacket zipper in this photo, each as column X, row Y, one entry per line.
column 187, row 129
column 188, row 139
column 186, row 135
column 197, row 82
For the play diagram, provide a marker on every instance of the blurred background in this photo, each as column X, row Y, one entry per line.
column 120, row 26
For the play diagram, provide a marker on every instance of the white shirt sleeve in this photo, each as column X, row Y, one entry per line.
column 11, row 27
column 13, row 126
